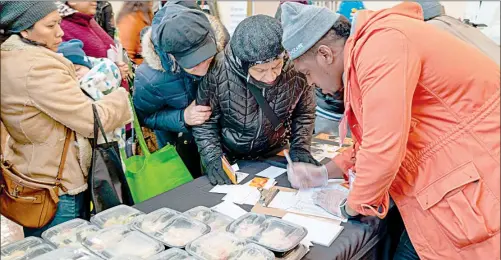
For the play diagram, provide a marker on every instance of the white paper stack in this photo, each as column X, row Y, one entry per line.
column 321, row 232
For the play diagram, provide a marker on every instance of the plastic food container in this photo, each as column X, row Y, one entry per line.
column 253, row 252
column 68, row 254
column 216, row 246
column 296, row 254
column 116, row 216
column 279, row 235
column 180, row 231
column 247, row 225
column 173, row 254
column 27, row 248
column 215, row 220
column 122, row 242
column 69, row 234
column 154, row 221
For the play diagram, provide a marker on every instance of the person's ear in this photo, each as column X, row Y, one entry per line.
column 325, row 54
column 24, row 34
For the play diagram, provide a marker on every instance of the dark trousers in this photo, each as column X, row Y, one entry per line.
column 188, row 151
column 405, row 249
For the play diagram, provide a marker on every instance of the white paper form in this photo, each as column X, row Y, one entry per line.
column 243, row 195
column 302, row 201
column 272, row 172
column 229, row 209
column 322, row 232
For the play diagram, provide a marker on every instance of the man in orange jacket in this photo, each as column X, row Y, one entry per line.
column 424, row 110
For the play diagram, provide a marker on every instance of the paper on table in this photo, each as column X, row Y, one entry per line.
column 302, row 202
column 235, row 167
column 229, row 209
column 268, row 185
column 272, row 172
column 321, row 232
column 223, row 189
column 243, row 194
column 241, row 176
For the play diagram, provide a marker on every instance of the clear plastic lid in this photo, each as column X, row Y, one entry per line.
column 69, row 234
column 215, row 220
column 116, row 216
column 253, row 252
column 279, row 235
column 28, row 247
column 247, row 225
column 122, row 241
column 173, row 254
column 216, row 246
column 154, row 221
column 68, row 254
column 180, row 231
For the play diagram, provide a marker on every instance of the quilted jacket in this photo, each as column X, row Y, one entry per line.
column 161, row 95
column 238, row 126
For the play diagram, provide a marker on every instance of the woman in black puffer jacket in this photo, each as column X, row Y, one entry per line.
column 238, row 127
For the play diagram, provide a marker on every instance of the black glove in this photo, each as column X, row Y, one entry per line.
column 215, row 173
column 304, row 156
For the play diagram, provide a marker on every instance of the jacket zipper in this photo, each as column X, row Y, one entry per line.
column 260, row 121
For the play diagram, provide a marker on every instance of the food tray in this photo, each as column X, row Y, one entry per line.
column 272, row 233
column 247, row 225
column 215, row 220
column 68, row 254
column 154, row 221
column 69, row 234
column 173, row 254
column 180, row 231
column 116, row 216
column 27, row 248
column 216, row 246
column 122, row 242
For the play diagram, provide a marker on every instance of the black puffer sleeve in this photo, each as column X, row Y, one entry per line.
column 207, row 136
column 303, row 117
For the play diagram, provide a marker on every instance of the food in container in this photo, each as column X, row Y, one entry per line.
column 253, row 252
column 122, row 242
column 68, row 254
column 279, row 235
column 27, row 248
column 173, row 254
column 247, row 225
column 116, row 216
column 154, row 221
column 69, row 234
column 180, row 231
column 216, row 246
column 215, row 220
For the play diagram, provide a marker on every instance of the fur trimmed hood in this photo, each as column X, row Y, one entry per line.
column 153, row 59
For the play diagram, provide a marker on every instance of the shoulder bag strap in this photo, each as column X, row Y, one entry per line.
column 67, row 141
column 267, row 110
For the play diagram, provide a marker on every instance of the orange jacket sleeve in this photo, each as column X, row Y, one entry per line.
column 387, row 69
column 129, row 29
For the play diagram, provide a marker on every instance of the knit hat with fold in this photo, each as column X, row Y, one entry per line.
column 73, row 51
column 17, row 16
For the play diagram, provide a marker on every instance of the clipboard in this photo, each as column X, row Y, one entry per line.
column 229, row 170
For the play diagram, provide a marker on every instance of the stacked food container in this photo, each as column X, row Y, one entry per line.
column 124, row 233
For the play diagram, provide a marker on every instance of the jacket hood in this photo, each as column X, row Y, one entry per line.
column 160, row 60
column 365, row 18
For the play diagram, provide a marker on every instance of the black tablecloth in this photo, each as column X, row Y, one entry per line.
column 368, row 238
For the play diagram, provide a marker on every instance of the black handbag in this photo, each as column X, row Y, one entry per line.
column 107, row 183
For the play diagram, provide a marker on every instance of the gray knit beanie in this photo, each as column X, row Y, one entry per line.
column 304, row 25
column 17, row 16
column 431, row 9
column 257, row 38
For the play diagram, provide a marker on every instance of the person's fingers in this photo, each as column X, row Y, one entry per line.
column 203, row 108
column 212, row 180
column 219, row 179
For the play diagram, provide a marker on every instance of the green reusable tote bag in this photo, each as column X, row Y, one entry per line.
column 154, row 173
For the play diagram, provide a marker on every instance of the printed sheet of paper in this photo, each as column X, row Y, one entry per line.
column 302, row 201
column 272, row 172
column 243, row 194
column 229, row 209
column 322, row 232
